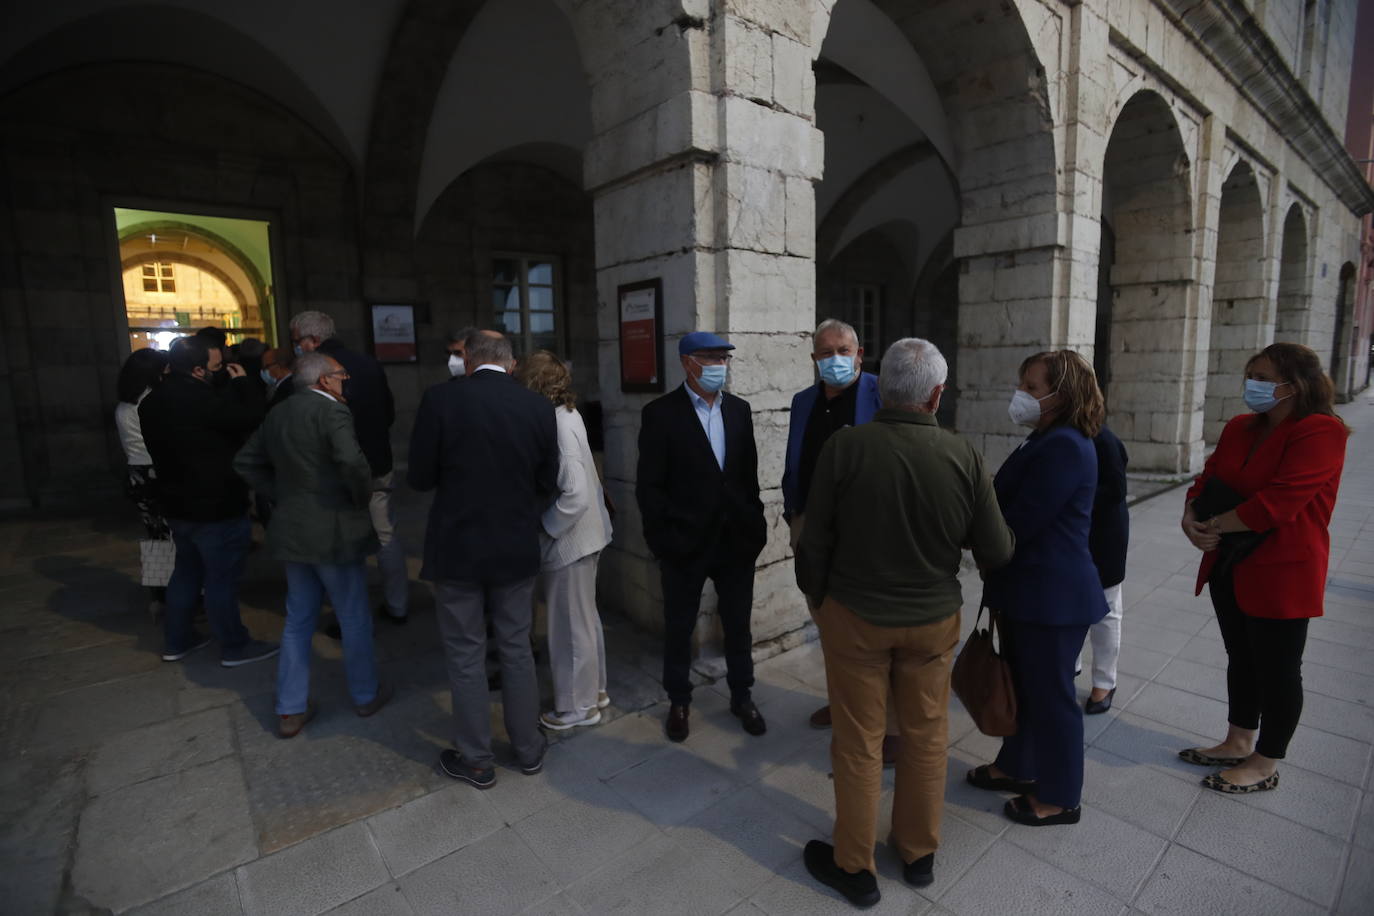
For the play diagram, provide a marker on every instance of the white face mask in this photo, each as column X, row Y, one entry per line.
column 456, row 365
column 1024, row 408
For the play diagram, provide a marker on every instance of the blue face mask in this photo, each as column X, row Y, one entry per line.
column 712, row 378
column 1259, row 396
column 836, row 371
column 267, row 378
column 298, row 349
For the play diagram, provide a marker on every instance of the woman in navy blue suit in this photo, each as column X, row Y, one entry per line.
column 1049, row 594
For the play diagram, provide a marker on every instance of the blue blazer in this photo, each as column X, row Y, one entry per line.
column 1045, row 489
column 866, row 405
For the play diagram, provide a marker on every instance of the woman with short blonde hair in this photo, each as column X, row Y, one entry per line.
column 575, row 530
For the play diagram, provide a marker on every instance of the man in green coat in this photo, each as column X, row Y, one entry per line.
column 306, row 459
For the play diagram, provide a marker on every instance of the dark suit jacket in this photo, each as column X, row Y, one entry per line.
column 192, row 431
column 686, row 500
column 305, row 458
column 1111, row 519
column 369, row 398
column 867, row 403
column 285, row 388
column 490, row 446
column 1045, row 489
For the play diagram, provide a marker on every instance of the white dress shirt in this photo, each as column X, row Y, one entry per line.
column 712, row 421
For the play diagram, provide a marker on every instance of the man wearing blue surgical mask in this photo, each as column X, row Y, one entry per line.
column 698, row 494
column 843, row 395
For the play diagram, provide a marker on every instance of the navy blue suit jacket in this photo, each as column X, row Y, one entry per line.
column 1045, row 489
column 867, row 404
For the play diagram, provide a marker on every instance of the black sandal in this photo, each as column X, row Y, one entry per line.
column 1019, row 810
column 981, row 778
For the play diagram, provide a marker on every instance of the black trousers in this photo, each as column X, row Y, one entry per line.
column 733, row 576
column 1263, row 669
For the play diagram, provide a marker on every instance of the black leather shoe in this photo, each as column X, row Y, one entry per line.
column 1097, row 707
column 859, row 888
column 1019, row 809
column 749, row 717
column 920, row 873
column 676, row 727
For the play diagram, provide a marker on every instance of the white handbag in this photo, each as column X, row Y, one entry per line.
column 157, row 559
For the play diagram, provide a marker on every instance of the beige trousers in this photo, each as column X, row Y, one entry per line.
column 863, row 663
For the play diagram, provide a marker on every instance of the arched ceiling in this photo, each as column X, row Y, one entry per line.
column 320, row 61
column 516, row 56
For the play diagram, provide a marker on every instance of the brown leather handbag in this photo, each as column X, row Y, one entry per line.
column 982, row 681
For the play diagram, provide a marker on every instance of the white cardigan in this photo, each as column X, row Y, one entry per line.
column 577, row 524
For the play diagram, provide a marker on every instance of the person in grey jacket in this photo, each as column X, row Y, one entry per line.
column 575, row 530
column 306, row 458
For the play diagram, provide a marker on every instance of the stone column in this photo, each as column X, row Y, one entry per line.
column 701, row 174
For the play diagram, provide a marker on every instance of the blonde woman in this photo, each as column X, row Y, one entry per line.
column 575, row 530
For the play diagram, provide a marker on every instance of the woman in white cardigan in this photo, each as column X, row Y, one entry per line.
column 576, row 528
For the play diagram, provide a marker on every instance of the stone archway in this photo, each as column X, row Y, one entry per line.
column 1342, row 355
column 1146, row 203
column 1239, row 304
column 1290, row 317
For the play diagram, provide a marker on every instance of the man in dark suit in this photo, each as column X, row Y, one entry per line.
column 369, row 399
column 192, row 430
column 490, row 447
column 277, row 369
column 698, row 493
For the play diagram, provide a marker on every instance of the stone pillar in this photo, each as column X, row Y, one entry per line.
column 701, row 173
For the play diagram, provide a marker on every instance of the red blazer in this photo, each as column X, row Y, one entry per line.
column 1290, row 487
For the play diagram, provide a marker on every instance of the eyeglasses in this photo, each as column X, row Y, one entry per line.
column 342, row 373
column 720, row 359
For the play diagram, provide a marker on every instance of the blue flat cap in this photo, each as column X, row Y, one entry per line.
column 702, row 340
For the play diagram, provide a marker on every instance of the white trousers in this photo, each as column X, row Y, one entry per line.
column 1105, row 636
column 577, row 647
column 391, row 558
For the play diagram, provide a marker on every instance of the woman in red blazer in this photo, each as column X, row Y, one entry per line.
column 1284, row 462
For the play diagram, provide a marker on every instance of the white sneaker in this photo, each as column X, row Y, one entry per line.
column 558, row 721
column 602, row 700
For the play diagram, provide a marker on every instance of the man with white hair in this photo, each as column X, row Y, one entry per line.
column 843, row 396
column 885, row 586
column 369, row 399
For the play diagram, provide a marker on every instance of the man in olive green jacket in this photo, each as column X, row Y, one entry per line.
column 893, row 503
column 306, row 459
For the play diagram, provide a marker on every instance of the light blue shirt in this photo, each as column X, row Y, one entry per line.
column 712, row 421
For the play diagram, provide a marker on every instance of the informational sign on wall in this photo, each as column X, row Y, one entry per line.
column 641, row 336
column 393, row 333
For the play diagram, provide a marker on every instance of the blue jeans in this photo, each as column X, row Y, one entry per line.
column 210, row 558
column 306, row 584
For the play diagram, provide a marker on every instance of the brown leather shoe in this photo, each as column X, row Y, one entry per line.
column 384, row 693
column 676, row 725
column 892, row 745
column 821, row 718
column 290, row 726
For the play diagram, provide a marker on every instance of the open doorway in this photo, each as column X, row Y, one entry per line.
column 181, row 272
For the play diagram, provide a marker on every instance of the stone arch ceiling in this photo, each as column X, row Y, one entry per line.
column 862, row 39
column 322, row 63
column 471, row 120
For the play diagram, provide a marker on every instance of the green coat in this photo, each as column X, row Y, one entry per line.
column 305, row 458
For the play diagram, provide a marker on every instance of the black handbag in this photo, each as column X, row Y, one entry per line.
column 1215, row 499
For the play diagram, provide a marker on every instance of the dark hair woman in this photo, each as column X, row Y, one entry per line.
column 1260, row 512
column 1050, row 593
column 140, row 373
column 575, row 529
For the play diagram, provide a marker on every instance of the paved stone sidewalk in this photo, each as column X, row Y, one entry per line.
column 129, row 784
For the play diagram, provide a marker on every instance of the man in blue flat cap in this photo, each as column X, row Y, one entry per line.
column 698, row 493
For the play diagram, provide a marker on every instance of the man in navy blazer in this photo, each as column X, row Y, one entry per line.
column 845, row 395
column 698, row 494
column 490, row 448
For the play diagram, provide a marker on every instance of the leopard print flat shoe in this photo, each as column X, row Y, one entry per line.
column 1217, row 783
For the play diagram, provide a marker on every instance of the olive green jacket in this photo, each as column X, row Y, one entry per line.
column 306, row 459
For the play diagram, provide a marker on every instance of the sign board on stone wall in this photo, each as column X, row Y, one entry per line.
column 393, row 333
column 641, row 336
